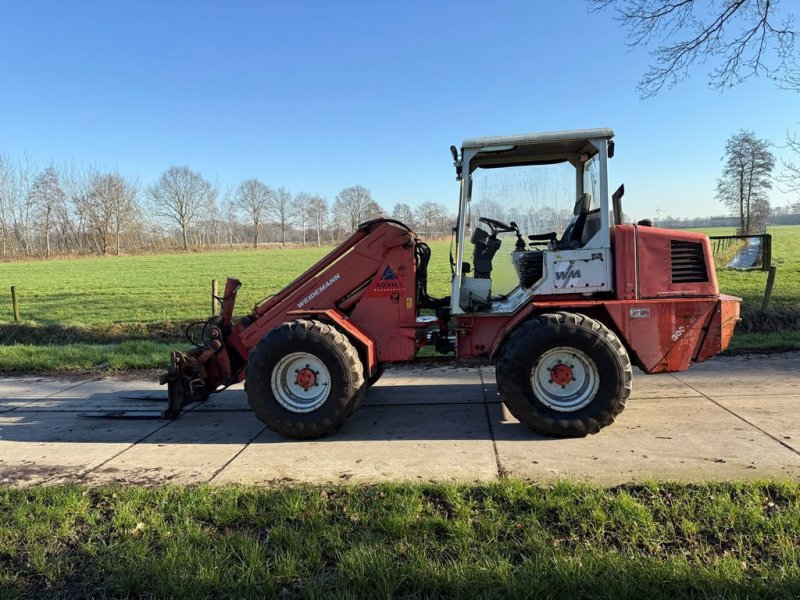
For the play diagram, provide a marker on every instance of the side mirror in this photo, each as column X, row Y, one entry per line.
column 456, row 161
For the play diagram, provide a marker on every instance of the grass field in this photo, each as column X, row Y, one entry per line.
column 507, row 539
column 77, row 312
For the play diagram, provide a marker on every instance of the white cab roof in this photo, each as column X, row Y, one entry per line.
column 538, row 138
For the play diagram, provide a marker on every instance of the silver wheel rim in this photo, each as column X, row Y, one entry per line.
column 301, row 382
column 565, row 379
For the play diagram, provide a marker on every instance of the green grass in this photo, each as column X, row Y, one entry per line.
column 132, row 354
column 507, row 539
column 88, row 306
column 176, row 288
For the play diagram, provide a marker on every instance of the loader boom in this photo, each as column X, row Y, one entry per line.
column 366, row 286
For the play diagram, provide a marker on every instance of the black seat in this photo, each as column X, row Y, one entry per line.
column 574, row 231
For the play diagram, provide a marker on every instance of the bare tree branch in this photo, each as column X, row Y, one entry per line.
column 742, row 38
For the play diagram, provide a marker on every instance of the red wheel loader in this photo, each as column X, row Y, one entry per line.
column 548, row 284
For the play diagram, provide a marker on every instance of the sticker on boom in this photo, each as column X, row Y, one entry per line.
column 388, row 284
column 318, row 291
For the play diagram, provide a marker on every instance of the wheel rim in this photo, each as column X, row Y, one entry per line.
column 565, row 379
column 301, row 382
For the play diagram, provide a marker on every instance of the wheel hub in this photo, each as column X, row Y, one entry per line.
column 301, row 382
column 561, row 374
column 305, row 378
column 565, row 379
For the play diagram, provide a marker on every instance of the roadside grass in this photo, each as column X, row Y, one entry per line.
column 86, row 306
column 131, row 354
column 504, row 539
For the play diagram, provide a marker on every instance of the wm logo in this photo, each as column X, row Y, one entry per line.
column 570, row 274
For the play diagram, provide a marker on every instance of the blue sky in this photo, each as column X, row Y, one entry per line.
column 319, row 96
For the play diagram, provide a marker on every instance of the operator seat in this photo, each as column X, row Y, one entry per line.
column 529, row 264
column 574, row 231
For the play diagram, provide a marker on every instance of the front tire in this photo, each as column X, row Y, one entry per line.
column 564, row 375
column 303, row 379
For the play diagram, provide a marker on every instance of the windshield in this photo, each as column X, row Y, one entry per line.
column 538, row 198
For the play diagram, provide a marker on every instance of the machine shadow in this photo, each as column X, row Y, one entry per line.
column 389, row 413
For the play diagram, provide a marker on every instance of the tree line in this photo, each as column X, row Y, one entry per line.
column 74, row 210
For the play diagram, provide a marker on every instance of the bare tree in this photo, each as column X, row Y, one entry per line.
column 402, row 212
column 317, row 212
column 434, row 219
column 124, row 204
column 179, row 196
column 254, row 197
column 746, row 179
column 73, row 217
column 790, row 177
column 355, row 205
column 301, row 206
column 109, row 205
column 740, row 38
column 281, row 210
column 46, row 195
column 17, row 203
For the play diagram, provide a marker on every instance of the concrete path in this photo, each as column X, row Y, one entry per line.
column 731, row 418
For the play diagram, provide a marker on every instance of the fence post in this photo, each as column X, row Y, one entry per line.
column 14, row 304
column 214, row 294
column 766, row 252
column 768, row 290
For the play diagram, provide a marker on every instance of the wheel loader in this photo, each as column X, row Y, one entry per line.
column 548, row 284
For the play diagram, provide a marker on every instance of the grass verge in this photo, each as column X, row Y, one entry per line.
column 506, row 539
column 136, row 354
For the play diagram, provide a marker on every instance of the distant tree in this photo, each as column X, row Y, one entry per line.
column 16, row 203
column 317, row 213
column 746, row 179
column 301, row 212
column 254, row 198
column 402, row 212
column 179, row 196
column 281, row 210
column 355, row 205
column 230, row 216
column 109, row 206
column 790, row 176
column 432, row 218
column 47, row 195
column 740, row 38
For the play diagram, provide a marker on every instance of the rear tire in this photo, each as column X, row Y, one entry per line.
column 564, row 375
column 303, row 379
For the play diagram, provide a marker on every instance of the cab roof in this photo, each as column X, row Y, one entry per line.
column 533, row 148
column 578, row 135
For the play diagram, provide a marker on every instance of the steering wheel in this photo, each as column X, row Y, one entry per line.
column 498, row 226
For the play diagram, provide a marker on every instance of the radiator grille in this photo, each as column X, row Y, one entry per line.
column 688, row 262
